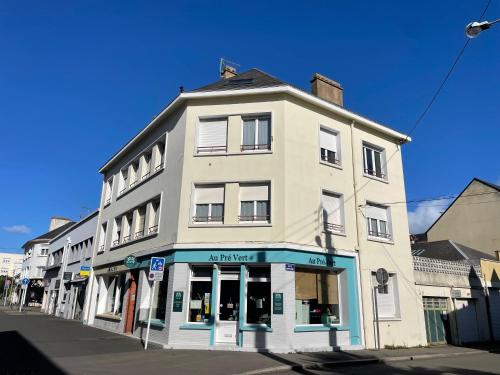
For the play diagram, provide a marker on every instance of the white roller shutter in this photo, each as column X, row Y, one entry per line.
column 212, row 133
column 209, row 194
column 328, row 140
column 376, row 212
column 254, row 192
column 332, row 204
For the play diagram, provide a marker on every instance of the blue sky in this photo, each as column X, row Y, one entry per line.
column 79, row 78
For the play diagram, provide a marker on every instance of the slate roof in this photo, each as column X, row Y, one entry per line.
column 46, row 237
column 251, row 79
column 448, row 250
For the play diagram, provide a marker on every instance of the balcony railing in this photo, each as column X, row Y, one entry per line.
column 331, row 227
column 108, row 201
column 330, row 159
column 139, row 234
column 386, row 236
column 264, row 146
column 378, row 174
column 254, row 218
column 132, row 184
column 126, row 239
column 153, row 229
column 211, row 149
column 116, row 242
column 146, row 175
column 208, row 219
column 159, row 166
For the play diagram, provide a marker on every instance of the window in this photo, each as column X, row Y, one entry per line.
column 208, row 204
column 254, row 203
column 373, row 159
column 134, row 174
column 201, row 291
column 141, row 222
column 316, row 296
column 102, row 237
column 146, row 165
column 123, row 180
column 154, row 217
column 159, row 152
column 127, row 227
column 159, row 307
column 108, row 191
column 44, row 252
column 256, row 133
column 387, row 298
column 329, row 147
column 259, row 295
column 116, row 291
column 378, row 221
column 118, row 231
column 333, row 215
column 212, row 135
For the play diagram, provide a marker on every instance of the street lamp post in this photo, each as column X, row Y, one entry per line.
column 473, row 29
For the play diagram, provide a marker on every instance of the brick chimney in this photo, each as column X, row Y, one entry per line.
column 228, row 72
column 327, row 89
column 57, row 221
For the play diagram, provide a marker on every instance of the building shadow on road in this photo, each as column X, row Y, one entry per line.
column 20, row 357
column 388, row 369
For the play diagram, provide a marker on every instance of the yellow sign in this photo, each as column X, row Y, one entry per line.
column 84, row 271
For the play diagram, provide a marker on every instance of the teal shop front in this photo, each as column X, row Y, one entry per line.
column 278, row 300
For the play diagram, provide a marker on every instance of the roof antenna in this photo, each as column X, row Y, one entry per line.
column 224, row 62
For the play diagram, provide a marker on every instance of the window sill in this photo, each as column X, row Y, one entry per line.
column 331, row 165
column 199, row 326
column 319, row 327
column 389, row 319
column 380, row 240
column 265, row 152
column 139, row 183
column 135, row 240
column 256, row 328
column 73, row 262
column 154, row 323
column 342, row 234
column 242, row 225
column 385, row 181
column 108, row 316
column 106, row 204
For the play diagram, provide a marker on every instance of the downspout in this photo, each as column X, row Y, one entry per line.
column 358, row 234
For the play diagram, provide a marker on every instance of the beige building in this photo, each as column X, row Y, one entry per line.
column 269, row 205
column 472, row 219
column 10, row 264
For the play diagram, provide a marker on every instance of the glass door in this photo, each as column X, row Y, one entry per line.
column 228, row 306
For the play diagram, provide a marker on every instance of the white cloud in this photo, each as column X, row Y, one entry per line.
column 22, row 229
column 425, row 214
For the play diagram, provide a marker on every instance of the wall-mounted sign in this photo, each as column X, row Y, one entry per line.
column 84, row 271
column 155, row 276
column 178, row 299
column 290, row 267
column 456, row 293
column 278, row 303
column 130, row 261
column 67, row 275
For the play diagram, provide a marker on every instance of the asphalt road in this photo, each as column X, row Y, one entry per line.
column 480, row 364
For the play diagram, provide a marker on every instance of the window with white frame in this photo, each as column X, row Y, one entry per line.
column 378, row 218
column 159, row 155
column 212, row 135
column 123, row 180
column 200, row 294
column 255, row 204
column 134, row 174
column 115, row 291
column 374, row 161
column 154, row 216
column 108, row 191
column 208, row 204
column 127, row 227
column 117, row 232
column 329, row 146
column 256, row 133
column 387, row 297
column 44, row 252
column 333, row 212
column 146, row 164
column 258, row 295
column 102, row 237
column 141, row 222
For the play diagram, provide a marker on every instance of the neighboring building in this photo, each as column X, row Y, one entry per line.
column 10, row 264
column 472, row 219
column 451, row 283
column 268, row 203
column 35, row 257
column 67, row 269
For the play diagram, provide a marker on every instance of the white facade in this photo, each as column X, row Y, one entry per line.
column 10, row 264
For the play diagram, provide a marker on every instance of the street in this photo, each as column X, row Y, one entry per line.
column 33, row 343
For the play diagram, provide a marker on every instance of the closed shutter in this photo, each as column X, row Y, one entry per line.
column 254, row 192
column 328, row 292
column 212, row 134
column 305, row 285
column 328, row 140
column 209, row 194
column 376, row 212
column 332, row 208
column 386, row 301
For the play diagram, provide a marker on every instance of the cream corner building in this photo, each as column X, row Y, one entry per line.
column 250, row 180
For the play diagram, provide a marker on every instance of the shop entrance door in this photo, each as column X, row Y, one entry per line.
column 132, row 291
column 227, row 314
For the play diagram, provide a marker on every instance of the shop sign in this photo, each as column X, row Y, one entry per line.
column 67, row 275
column 456, row 293
column 130, row 261
column 238, row 258
column 290, row 267
column 178, row 299
column 84, row 271
column 321, row 261
column 278, row 303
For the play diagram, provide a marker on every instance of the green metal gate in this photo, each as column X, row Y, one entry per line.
column 435, row 313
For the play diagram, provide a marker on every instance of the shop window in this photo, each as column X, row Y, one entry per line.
column 116, row 291
column 316, row 296
column 259, row 295
column 160, row 298
column 200, row 295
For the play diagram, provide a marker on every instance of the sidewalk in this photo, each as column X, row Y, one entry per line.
column 318, row 360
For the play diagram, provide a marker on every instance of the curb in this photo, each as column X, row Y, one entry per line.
column 353, row 362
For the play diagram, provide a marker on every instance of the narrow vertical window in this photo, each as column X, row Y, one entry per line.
column 333, row 215
column 373, row 159
column 259, row 295
column 256, row 133
column 200, row 294
column 329, row 147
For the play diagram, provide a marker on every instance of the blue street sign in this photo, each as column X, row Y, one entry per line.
column 157, row 264
column 25, row 281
